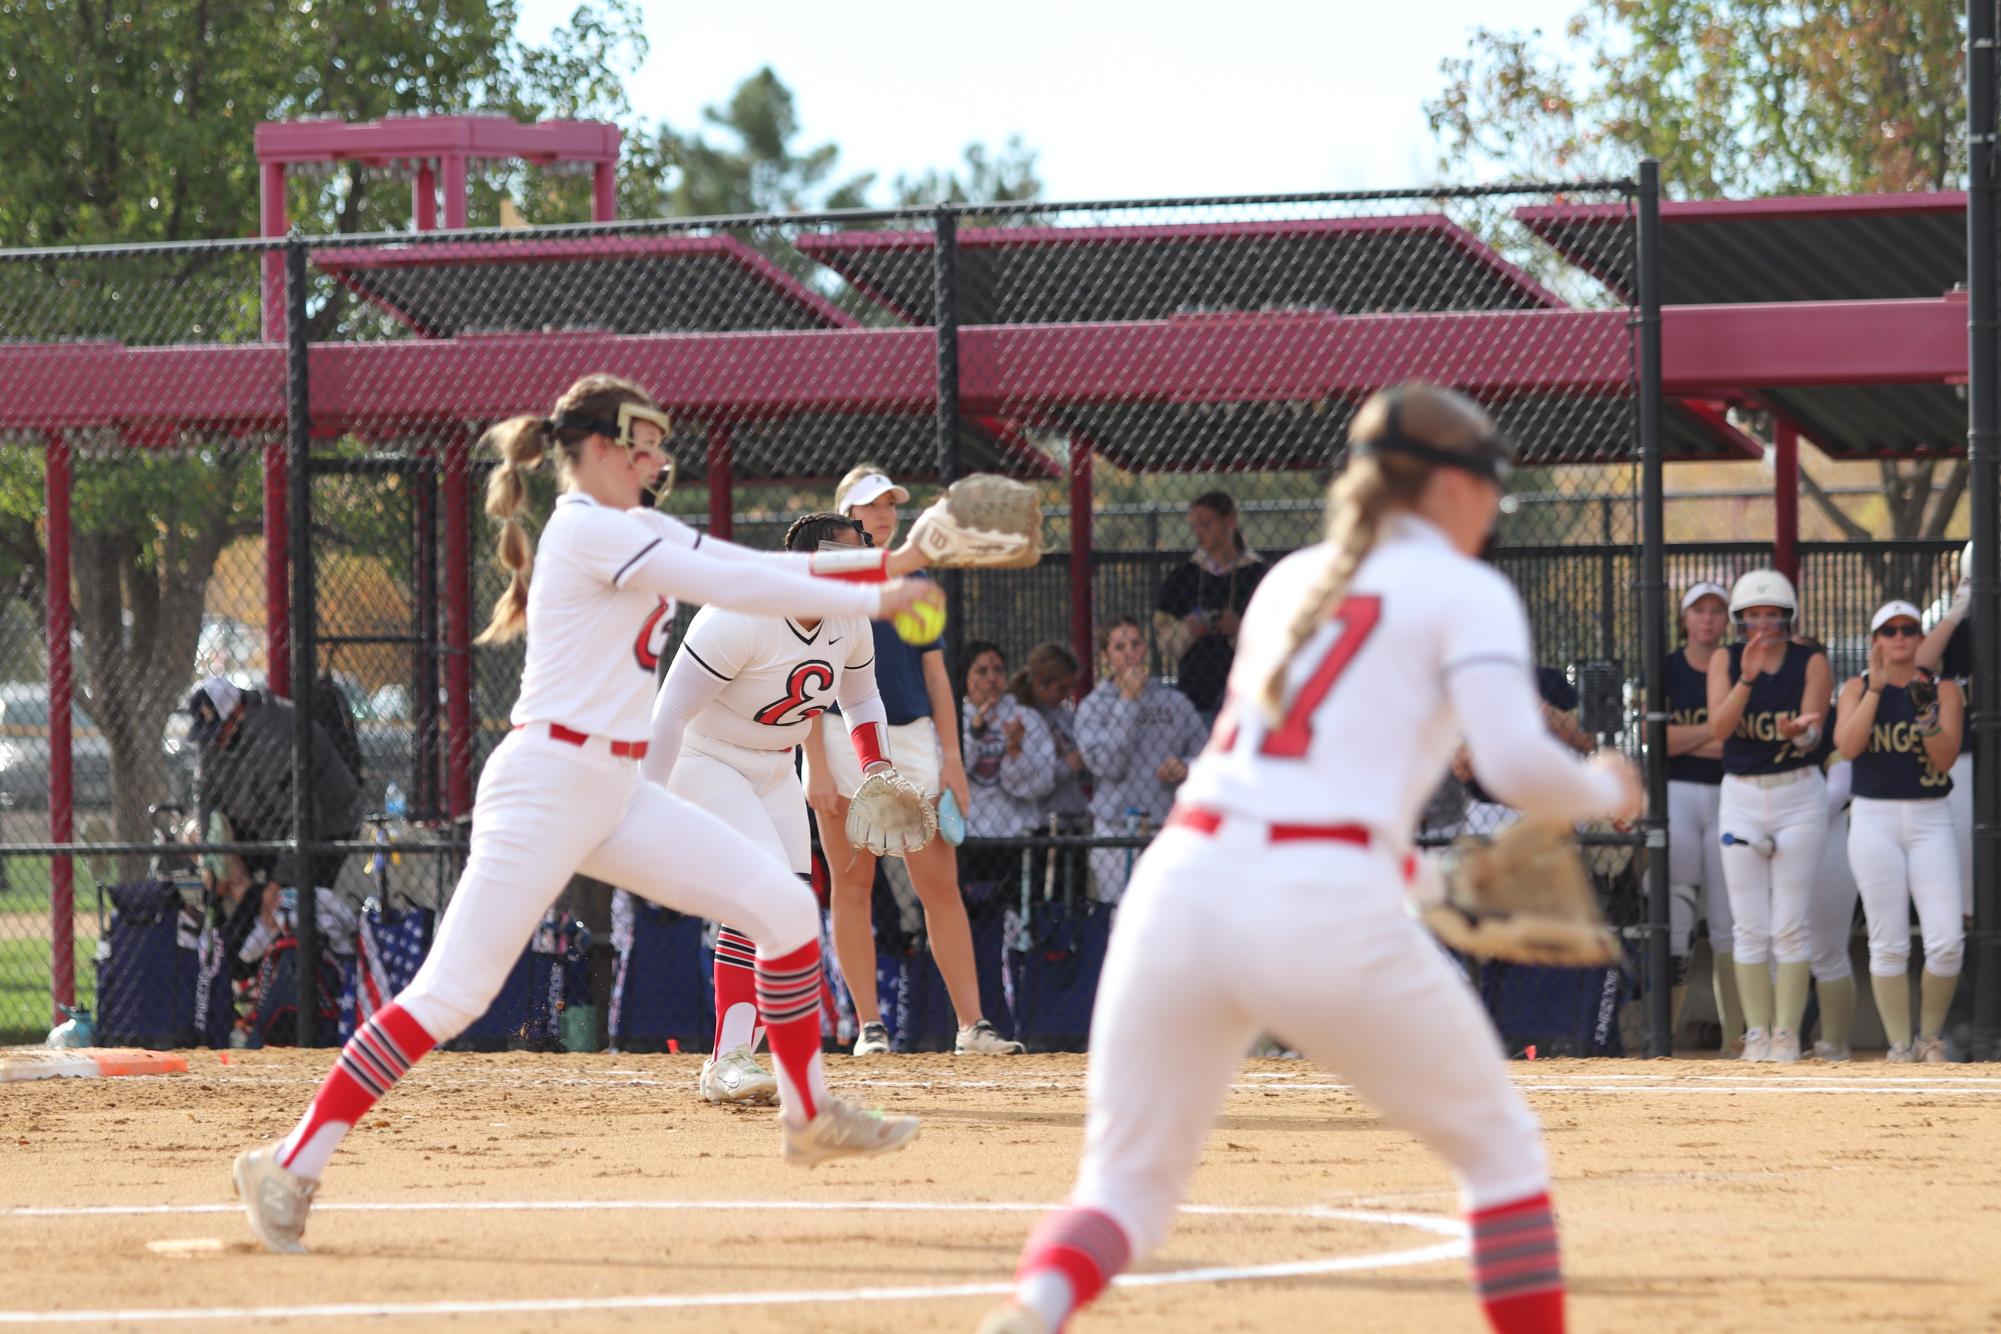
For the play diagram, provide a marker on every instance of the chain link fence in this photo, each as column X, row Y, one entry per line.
column 1175, row 376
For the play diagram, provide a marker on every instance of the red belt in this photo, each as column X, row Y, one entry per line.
column 624, row 750
column 1205, row 821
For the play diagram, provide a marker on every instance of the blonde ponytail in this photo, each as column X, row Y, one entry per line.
column 1356, row 505
column 521, row 443
column 1396, row 440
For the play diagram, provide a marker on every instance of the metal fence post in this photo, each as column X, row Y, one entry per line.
column 62, row 812
column 304, row 623
column 1983, row 427
column 1653, row 612
column 945, row 324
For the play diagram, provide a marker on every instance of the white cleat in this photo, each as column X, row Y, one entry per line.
column 1901, row 1053
column 979, row 1039
column 1012, row 1319
column 1827, row 1051
column 1930, row 1051
column 735, row 1076
column 843, row 1130
column 275, row 1200
column 1757, row 1045
column 873, row 1040
column 1785, row 1046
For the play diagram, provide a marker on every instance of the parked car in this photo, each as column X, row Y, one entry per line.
column 24, row 751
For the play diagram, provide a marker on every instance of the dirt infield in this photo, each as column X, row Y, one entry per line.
column 578, row 1192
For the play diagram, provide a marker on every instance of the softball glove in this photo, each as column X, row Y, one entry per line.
column 983, row 520
column 1523, row 897
column 889, row 816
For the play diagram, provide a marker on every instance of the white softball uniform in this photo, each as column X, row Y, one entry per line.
column 1830, row 917
column 912, row 747
column 1695, row 866
column 1274, row 899
column 563, row 794
column 1903, row 852
column 1769, row 896
column 738, row 699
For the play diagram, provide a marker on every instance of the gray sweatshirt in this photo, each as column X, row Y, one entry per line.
column 1007, row 790
column 249, row 779
column 1125, row 740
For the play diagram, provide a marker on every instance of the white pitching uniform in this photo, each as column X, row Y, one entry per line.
column 563, row 795
column 1274, row 899
column 739, row 699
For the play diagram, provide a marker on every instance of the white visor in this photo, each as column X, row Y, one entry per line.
column 873, row 487
column 1697, row 592
column 1890, row 611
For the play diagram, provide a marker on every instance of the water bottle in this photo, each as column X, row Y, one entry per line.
column 75, row 1031
column 393, row 803
column 1762, row 845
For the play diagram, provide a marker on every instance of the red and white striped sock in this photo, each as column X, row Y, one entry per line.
column 736, row 991
column 1070, row 1257
column 381, row 1052
column 1517, row 1270
column 788, row 997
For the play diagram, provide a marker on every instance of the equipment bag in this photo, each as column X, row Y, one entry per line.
column 661, row 990
column 1558, row 1011
column 1054, row 957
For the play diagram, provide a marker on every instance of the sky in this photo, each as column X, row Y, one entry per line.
column 1119, row 99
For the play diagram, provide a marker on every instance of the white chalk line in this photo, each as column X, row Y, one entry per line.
column 1454, row 1248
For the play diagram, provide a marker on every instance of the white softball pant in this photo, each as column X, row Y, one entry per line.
column 1960, row 801
column 1903, row 853
column 1769, row 896
column 1695, row 866
column 548, row 810
column 1830, row 916
column 1223, row 936
column 755, row 792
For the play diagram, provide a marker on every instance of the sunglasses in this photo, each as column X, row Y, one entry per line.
column 1902, row 631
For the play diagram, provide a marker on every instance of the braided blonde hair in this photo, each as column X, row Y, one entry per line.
column 522, row 442
column 1369, row 488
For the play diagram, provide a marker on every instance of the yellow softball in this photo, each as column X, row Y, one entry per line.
column 922, row 624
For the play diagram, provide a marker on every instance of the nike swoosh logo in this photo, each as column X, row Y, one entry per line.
column 834, row 641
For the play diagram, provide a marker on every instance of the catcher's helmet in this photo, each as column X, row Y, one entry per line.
column 1763, row 588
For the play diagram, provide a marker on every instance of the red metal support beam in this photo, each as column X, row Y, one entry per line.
column 272, row 221
column 1786, row 499
column 604, row 191
column 277, row 569
column 452, row 178
column 424, row 197
column 457, row 499
column 62, row 810
column 1082, row 614
column 722, row 482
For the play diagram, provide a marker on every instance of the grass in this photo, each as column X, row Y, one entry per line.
column 24, row 985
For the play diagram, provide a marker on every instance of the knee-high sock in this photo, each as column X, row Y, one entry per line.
column 1729, row 1009
column 1754, row 988
column 1934, row 999
column 1517, row 1270
column 1837, row 1010
column 1070, row 1257
column 788, row 996
column 1893, row 1003
column 736, row 991
column 379, row 1054
column 1790, row 1006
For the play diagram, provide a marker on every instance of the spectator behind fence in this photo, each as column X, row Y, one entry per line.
column 1203, row 600
column 1484, row 815
column 245, row 772
column 1011, row 764
column 1138, row 736
column 1045, row 685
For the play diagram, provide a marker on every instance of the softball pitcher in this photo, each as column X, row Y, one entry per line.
column 741, row 693
column 1767, row 696
column 563, row 794
column 1902, row 730
column 1274, row 898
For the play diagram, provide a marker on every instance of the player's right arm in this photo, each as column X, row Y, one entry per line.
column 1489, row 679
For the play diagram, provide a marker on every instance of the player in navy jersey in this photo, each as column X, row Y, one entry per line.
column 1697, row 889
column 1901, row 727
column 1767, row 694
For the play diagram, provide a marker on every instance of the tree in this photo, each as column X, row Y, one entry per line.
column 756, row 168
column 990, row 177
column 124, row 122
column 1736, row 98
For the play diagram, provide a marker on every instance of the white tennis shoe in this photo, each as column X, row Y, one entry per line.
column 979, row 1039
column 735, row 1076
column 873, row 1040
column 1757, row 1045
column 275, row 1200
column 1785, row 1046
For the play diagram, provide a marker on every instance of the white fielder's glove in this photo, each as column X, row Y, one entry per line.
column 889, row 816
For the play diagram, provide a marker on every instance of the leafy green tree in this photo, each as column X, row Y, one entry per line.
column 127, row 122
column 1737, row 98
column 755, row 167
column 991, row 176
